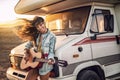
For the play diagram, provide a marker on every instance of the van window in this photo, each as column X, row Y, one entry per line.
column 71, row 21
column 98, row 22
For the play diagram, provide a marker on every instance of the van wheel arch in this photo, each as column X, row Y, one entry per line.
column 88, row 75
column 94, row 70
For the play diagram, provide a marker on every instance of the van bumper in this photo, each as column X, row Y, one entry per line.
column 13, row 74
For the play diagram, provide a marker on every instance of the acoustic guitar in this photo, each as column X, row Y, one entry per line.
column 29, row 63
column 36, row 60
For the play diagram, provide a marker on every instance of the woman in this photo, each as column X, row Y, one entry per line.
column 42, row 40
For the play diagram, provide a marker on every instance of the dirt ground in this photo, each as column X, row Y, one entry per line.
column 8, row 40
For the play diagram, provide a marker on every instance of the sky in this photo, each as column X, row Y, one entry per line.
column 7, row 12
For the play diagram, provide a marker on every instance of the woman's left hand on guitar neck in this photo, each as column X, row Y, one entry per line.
column 51, row 61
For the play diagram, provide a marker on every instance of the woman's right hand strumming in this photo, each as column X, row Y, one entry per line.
column 27, row 54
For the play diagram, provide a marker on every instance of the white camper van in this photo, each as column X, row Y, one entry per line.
column 88, row 38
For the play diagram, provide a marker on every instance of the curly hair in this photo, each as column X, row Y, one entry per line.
column 27, row 31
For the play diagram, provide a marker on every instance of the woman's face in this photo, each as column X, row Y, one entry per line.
column 41, row 27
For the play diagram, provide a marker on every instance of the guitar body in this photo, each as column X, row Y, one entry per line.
column 36, row 60
column 30, row 64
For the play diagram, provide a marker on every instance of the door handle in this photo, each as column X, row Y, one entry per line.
column 80, row 49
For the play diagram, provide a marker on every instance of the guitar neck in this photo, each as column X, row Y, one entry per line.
column 41, row 60
column 61, row 63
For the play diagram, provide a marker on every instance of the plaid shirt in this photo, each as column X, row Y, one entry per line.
column 47, row 47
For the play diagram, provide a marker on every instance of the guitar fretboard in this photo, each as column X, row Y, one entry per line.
column 41, row 60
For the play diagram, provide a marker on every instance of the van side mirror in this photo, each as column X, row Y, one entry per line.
column 94, row 37
column 108, row 23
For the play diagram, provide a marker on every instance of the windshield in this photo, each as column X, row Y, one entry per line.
column 68, row 22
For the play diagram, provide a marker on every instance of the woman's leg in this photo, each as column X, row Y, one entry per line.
column 32, row 74
column 45, row 77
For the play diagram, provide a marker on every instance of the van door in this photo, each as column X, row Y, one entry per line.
column 105, row 49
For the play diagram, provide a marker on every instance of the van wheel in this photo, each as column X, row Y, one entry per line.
column 88, row 75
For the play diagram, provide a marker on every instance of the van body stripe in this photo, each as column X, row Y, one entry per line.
column 107, row 60
column 98, row 40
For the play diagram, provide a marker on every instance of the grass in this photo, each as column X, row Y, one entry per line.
column 8, row 40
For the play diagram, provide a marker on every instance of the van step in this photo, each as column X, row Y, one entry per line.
column 114, row 77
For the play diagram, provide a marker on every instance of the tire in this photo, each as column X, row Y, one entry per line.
column 88, row 75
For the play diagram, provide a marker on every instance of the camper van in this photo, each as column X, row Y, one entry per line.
column 88, row 38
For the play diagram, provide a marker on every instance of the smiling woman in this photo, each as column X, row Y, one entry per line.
column 7, row 10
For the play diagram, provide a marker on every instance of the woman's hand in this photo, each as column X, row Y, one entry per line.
column 51, row 61
column 27, row 55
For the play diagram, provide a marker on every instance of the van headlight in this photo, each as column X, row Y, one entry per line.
column 15, row 61
column 12, row 59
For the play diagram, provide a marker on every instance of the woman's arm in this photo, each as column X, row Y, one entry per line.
column 51, row 53
column 29, row 45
